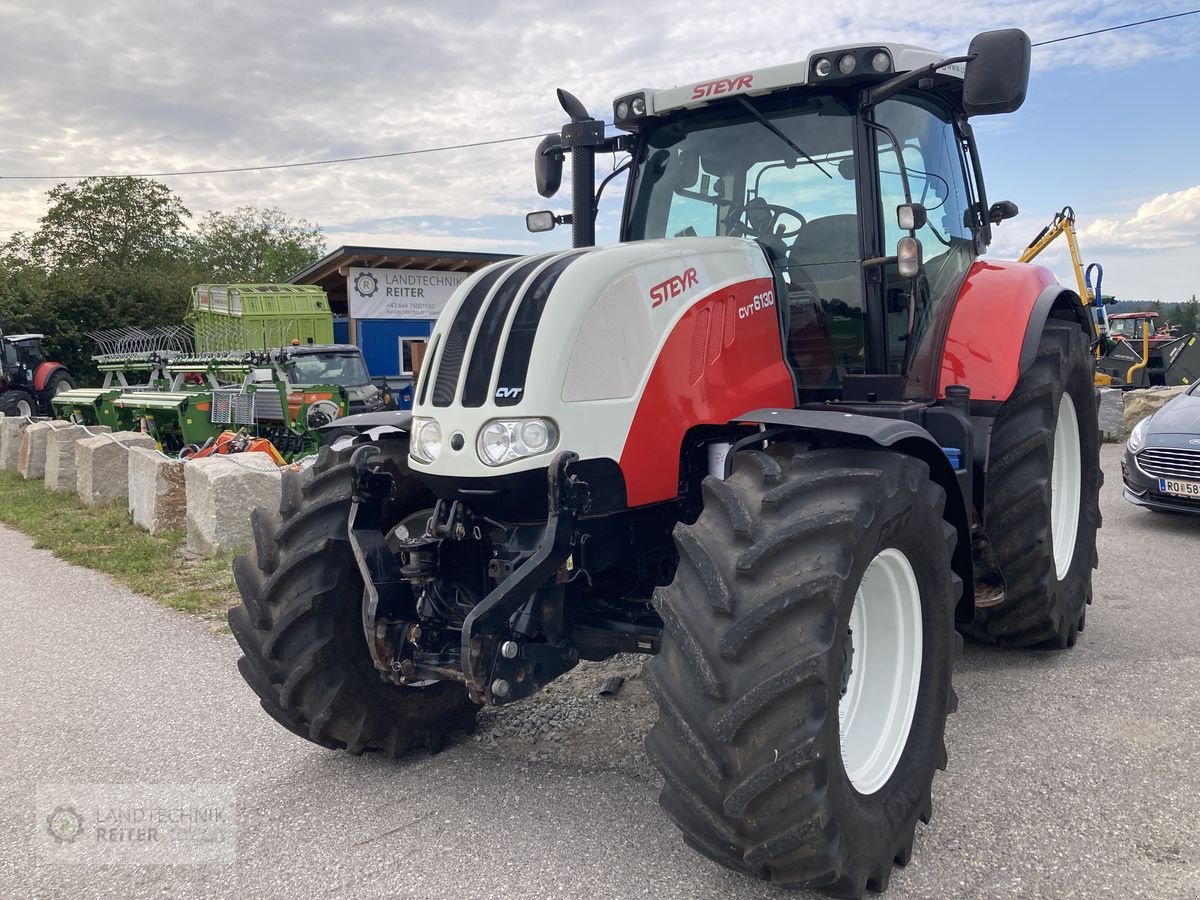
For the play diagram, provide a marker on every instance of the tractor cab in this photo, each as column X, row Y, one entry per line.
column 855, row 171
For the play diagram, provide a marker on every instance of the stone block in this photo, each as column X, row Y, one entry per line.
column 222, row 491
column 1139, row 404
column 1112, row 414
column 31, row 455
column 12, row 429
column 102, row 465
column 60, row 454
column 157, row 493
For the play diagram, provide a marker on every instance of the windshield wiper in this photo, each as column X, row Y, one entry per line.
column 770, row 126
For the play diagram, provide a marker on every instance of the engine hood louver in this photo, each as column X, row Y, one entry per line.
column 526, row 283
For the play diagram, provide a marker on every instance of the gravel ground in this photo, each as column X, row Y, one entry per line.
column 1071, row 774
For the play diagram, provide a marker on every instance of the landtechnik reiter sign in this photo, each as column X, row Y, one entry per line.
column 400, row 293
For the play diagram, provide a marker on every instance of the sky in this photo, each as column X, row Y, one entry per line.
column 134, row 86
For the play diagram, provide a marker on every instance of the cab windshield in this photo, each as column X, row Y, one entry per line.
column 791, row 186
column 341, row 369
column 782, row 171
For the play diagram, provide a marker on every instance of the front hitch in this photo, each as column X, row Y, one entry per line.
column 498, row 669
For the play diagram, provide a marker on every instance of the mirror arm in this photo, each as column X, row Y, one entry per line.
column 893, row 86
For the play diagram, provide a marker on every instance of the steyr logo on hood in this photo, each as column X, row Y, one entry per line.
column 673, row 287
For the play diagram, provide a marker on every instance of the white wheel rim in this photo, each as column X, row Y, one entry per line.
column 62, row 386
column 876, row 711
column 25, row 408
column 1066, row 487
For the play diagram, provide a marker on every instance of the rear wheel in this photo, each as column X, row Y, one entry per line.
column 804, row 678
column 300, row 623
column 1042, row 507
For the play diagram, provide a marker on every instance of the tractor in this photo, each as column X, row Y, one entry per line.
column 789, row 437
column 28, row 380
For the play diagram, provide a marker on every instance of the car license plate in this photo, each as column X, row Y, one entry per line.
column 1179, row 488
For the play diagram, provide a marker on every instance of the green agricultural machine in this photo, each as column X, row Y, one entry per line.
column 251, row 358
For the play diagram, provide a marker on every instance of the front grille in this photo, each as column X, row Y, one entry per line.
column 1170, row 462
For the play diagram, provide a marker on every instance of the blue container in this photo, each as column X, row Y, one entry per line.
column 954, row 454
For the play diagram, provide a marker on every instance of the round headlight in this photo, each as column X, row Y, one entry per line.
column 495, row 442
column 823, row 67
column 535, row 436
column 622, row 110
column 881, row 62
column 847, row 63
column 427, row 440
column 638, row 106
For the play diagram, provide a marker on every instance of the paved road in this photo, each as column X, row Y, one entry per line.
column 1071, row 775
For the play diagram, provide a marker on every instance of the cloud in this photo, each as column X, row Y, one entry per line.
column 163, row 85
column 1165, row 222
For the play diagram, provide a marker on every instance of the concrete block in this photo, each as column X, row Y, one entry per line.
column 60, row 454
column 1139, row 404
column 12, row 429
column 222, row 491
column 102, row 465
column 157, row 494
column 1112, row 414
column 31, row 455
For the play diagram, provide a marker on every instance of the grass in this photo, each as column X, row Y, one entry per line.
column 105, row 539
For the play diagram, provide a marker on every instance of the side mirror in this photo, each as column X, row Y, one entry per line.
column 911, row 216
column 997, row 73
column 542, row 220
column 908, row 257
column 548, row 165
column 1001, row 210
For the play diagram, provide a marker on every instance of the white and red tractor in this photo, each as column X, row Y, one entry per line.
column 788, row 437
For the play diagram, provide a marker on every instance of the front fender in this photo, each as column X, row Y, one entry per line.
column 389, row 420
column 900, row 436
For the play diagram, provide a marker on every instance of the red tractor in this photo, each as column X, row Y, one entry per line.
column 27, row 379
column 785, row 437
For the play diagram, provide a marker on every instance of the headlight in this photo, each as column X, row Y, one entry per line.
column 503, row 440
column 1137, row 437
column 426, row 441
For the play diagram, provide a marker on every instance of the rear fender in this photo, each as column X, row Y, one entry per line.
column 44, row 371
column 996, row 325
column 899, row 436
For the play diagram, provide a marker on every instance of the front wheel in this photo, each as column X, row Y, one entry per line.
column 17, row 403
column 300, row 622
column 804, row 678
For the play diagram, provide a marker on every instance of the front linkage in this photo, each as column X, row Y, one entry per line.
column 512, row 641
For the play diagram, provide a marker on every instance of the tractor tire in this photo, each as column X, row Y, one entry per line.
column 758, row 652
column 300, row 623
column 1045, row 435
column 58, row 382
column 18, row 403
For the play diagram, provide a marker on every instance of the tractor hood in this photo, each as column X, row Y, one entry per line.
column 574, row 337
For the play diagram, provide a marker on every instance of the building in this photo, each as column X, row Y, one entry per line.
column 386, row 300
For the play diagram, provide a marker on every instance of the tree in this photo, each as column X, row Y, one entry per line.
column 118, row 223
column 255, row 245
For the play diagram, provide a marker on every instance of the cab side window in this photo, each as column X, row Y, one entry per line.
column 930, row 160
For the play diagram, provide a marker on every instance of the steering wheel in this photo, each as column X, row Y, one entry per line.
column 751, row 220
